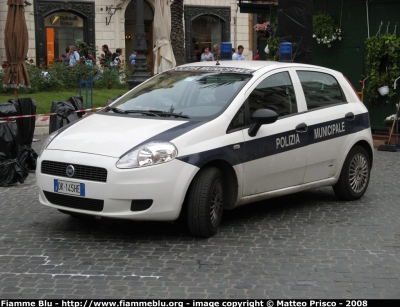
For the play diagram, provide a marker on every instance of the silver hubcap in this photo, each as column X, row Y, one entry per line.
column 216, row 203
column 358, row 173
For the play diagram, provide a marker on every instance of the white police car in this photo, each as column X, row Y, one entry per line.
column 202, row 138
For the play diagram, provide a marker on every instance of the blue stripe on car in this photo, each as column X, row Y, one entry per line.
column 170, row 134
column 289, row 140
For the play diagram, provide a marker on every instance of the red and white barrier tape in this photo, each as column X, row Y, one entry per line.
column 10, row 118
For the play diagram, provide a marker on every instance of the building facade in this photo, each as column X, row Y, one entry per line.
column 53, row 25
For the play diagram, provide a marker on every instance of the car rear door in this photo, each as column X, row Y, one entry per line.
column 330, row 123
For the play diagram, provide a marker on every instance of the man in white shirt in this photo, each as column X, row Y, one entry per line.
column 73, row 56
column 239, row 54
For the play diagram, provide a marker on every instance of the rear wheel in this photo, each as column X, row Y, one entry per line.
column 355, row 174
column 205, row 202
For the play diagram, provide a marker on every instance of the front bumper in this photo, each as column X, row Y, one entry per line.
column 164, row 184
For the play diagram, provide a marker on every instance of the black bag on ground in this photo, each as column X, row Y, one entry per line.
column 9, row 138
column 26, row 126
column 65, row 114
column 11, row 170
column 26, row 129
column 78, row 104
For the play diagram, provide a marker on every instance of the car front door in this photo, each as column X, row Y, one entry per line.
column 275, row 157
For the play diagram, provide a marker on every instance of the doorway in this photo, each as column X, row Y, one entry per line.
column 60, row 24
column 63, row 29
column 204, row 27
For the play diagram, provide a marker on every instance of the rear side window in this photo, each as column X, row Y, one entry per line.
column 320, row 89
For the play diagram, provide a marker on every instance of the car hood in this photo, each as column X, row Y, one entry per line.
column 111, row 135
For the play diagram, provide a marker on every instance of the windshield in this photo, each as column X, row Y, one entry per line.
column 193, row 94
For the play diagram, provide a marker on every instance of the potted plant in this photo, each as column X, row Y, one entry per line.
column 325, row 30
column 383, row 66
column 273, row 41
column 390, row 120
column 262, row 29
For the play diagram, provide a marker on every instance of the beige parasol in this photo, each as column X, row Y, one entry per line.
column 16, row 45
column 164, row 56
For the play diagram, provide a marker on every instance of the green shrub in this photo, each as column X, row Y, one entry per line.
column 3, row 90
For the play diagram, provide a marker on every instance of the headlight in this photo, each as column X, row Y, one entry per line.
column 47, row 142
column 148, row 154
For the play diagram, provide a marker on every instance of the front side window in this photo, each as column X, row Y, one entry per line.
column 196, row 94
column 275, row 93
column 320, row 89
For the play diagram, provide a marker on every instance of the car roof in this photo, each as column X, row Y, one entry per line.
column 251, row 65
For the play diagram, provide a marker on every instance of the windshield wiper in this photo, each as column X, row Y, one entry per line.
column 157, row 113
column 116, row 110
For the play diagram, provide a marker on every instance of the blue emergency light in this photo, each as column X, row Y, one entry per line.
column 285, row 52
column 226, row 51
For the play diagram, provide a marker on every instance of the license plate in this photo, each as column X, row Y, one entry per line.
column 67, row 187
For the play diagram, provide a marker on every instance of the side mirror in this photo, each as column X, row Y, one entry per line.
column 262, row 117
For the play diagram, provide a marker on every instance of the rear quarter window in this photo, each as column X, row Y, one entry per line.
column 320, row 89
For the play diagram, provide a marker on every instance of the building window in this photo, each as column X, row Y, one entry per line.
column 206, row 32
column 205, row 26
column 59, row 24
column 62, row 30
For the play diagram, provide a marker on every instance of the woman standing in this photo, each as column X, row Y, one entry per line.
column 207, row 55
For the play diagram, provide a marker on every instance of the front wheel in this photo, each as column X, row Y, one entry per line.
column 205, row 202
column 355, row 174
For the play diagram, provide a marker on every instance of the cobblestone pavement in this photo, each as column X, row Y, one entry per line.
column 308, row 245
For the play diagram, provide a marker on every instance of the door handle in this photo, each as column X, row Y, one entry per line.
column 349, row 116
column 301, row 128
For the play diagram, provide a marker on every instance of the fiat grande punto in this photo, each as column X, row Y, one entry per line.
column 203, row 138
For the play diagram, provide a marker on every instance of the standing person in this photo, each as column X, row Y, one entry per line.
column 107, row 54
column 116, row 58
column 132, row 58
column 73, row 56
column 207, row 55
column 239, row 55
column 117, row 53
column 65, row 56
column 216, row 51
column 256, row 57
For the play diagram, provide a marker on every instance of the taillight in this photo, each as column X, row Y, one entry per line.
column 355, row 91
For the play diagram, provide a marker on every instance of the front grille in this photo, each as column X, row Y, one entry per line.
column 88, row 204
column 83, row 172
column 141, row 204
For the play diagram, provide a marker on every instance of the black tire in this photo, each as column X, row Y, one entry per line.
column 355, row 175
column 205, row 202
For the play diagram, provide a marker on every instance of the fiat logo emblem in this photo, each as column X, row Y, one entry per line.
column 70, row 171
